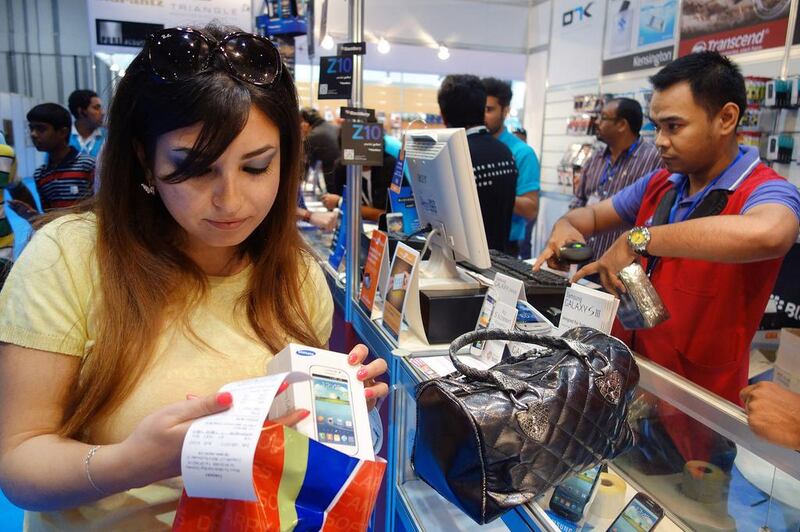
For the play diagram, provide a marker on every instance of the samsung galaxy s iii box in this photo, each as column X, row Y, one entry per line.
column 333, row 395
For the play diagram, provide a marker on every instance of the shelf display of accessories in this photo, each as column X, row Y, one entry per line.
column 582, row 124
column 571, row 164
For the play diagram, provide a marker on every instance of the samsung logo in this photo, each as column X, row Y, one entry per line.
column 306, row 352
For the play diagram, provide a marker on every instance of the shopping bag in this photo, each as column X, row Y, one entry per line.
column 300, row 485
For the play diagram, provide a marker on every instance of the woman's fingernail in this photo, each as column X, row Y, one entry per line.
column 190, row 396
column 352, row 359
column 304, row 413
column 369, row 394
column 362, row 374
column 282, row 387
column 224, row 399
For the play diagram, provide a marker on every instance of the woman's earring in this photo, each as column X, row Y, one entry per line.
column 149, row 189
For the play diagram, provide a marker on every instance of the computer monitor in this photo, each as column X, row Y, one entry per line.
column 446, row 197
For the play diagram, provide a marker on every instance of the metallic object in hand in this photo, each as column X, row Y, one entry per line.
column 641, row 307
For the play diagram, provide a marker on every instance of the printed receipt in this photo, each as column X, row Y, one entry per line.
column 218, row 451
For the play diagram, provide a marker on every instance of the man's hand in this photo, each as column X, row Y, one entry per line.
column 331, row 201
column 563, row 233
column 618, row 256
column 324, row 220
column 773, row 413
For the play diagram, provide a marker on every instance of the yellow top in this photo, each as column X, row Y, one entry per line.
column 49, row 303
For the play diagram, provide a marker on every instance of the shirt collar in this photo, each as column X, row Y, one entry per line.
column 95, row 134
column 505, row 134
column 733, row 176
column 477, row 129
column 637, row 143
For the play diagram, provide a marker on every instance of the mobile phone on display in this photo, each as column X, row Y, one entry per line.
column 333, row 411
column 571, row 497
column 642, row 514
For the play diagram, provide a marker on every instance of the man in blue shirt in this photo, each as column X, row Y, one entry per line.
column 87, row 134
column 526, row 204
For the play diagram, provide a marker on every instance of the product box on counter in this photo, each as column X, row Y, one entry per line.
column 334, row 396
column 787, row 363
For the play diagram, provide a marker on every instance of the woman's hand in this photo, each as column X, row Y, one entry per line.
column 154, row 448
column 367, row 374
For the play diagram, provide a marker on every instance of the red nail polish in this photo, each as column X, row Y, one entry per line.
column 305, row 414
column 352, row 359
column 362, row 373
column 224, row 399
column 369, row 394
column 282, row 387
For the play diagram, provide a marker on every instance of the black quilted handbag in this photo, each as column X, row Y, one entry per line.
column 490, row 440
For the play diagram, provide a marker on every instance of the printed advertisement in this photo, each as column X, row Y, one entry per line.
column 577, row 27
column 401, row 272
column 640, row 34
column 733, row 26
column 372, row 271
column 111, row 31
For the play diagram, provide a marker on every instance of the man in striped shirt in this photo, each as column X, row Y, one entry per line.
column 627, row 158
column 68, row 175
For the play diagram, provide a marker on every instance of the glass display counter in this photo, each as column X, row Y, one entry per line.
column 695, row 455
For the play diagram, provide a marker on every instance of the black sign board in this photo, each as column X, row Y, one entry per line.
column 362, row 143
column 638, row 61
column 357, row 114
column 335, row 77
column 352, row 48
column 124, row 33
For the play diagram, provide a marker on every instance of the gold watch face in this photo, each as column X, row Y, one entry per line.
column 637, row 238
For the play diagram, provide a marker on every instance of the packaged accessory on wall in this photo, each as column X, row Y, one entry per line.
column 489, row 440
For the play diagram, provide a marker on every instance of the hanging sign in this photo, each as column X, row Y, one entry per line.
column 352, row 48
column 362, row 143
column 335, row 77
column 357, row 114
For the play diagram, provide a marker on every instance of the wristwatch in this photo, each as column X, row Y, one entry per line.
column 638, row 239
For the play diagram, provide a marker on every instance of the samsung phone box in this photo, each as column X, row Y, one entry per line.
column 333, row 394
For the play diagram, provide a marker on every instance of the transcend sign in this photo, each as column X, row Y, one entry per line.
column 735, row 43
column 761, row 36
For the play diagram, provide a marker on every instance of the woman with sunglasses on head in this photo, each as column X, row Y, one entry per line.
column 121, row 319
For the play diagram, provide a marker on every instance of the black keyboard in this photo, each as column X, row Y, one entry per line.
column 544, row 290
column 520, row 269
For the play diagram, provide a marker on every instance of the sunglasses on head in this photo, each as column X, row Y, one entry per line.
column 180, row 53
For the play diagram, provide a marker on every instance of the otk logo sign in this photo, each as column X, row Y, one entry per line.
column 578, row 13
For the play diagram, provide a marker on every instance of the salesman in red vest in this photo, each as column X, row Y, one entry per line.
column 712, row 228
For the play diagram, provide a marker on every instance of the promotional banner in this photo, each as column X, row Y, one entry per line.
column 116, row 25
column 733, row 26
column 640, row 34
column 577, row 27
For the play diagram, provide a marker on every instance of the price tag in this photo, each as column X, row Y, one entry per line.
column 362, row 144
column 335, row 77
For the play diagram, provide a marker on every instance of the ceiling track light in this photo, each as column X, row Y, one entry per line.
column 444, row 53
column 327, row 42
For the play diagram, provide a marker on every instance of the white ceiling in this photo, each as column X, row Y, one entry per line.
column 500, row 25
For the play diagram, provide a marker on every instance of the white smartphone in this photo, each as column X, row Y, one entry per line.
column 333, row 411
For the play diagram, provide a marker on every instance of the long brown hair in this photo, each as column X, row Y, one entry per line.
column 144, row 275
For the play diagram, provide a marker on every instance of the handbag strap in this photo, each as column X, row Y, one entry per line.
column 582, row 351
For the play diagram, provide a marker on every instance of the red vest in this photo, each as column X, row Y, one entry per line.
column 714, row 308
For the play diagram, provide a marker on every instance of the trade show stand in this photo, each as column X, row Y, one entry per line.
column 731, row 481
